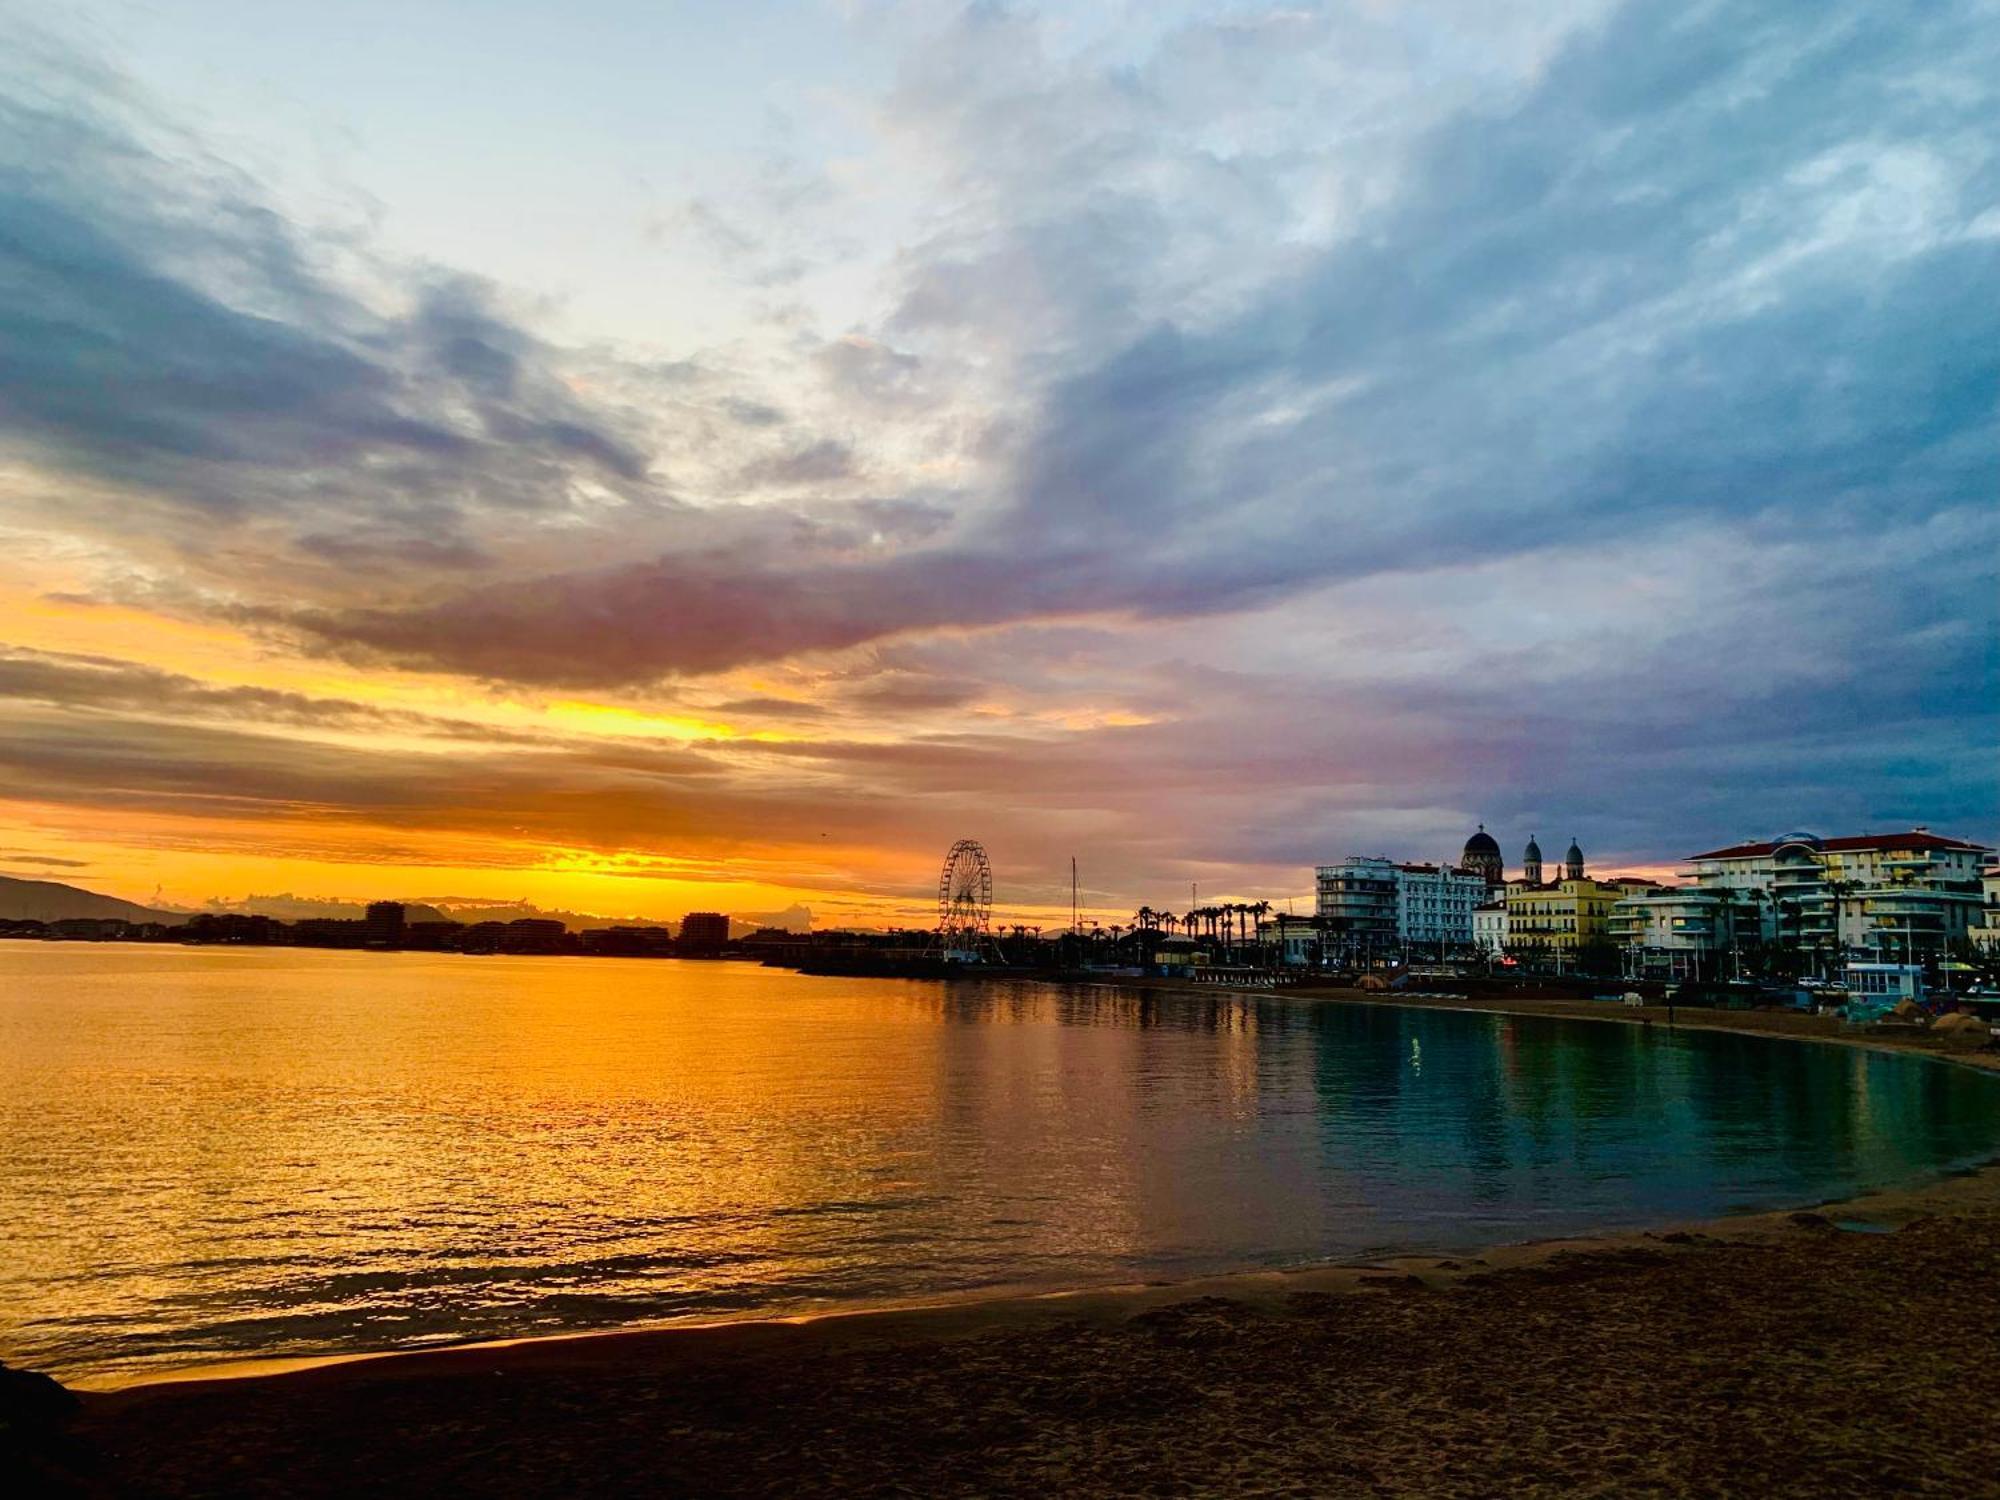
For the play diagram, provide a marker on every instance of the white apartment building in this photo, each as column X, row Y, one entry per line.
column 1489, row 929
column 1434, row 906
column 1674, row 932
column 1372, row 906
column 1894, row 895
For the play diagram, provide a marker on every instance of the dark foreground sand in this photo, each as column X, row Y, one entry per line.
column 1779, row 1355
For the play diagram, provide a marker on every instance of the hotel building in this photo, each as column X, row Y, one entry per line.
column 1892, row 896
column 1371, row 906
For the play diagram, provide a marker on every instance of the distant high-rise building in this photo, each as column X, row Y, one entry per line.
column 383, row 926
column 704, row 931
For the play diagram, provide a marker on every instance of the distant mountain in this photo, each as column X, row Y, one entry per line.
column 50, row 901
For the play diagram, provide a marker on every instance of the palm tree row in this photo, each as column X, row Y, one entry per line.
column 1231, row 922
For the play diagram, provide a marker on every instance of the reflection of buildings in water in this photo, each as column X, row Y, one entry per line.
column 1136, row 1129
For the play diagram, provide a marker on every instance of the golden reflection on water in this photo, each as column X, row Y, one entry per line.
column 219, row 1152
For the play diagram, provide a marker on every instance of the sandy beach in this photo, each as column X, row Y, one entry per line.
column 1845, row 1351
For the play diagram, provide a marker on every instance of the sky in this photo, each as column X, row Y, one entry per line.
column 638, row 457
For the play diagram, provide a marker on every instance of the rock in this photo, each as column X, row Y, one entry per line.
column 38, row 1454
column 31, row 1402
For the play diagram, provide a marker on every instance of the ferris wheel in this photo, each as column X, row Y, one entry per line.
column 965, row 895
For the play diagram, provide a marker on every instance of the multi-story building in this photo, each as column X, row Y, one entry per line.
column 384, row 925
column 1357, row 906
column 1563, row 916
column 1370, row 906
column 1899, row 896
column 1434, row 907
column 1489, row 929
column 1673, row 932
column 1986, row 932
column 703, row 931
column 1557, row 919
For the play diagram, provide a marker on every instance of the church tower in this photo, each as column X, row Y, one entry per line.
column 1531, row 862
column 1482, row 858
column 1573, row 862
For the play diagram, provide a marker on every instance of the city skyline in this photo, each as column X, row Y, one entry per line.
column 1204, row 443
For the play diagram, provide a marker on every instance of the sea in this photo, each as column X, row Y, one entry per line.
column 224, row 1154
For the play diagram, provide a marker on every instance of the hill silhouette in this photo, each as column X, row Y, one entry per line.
column 52, row 901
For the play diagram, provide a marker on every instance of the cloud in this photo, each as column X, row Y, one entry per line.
column 165, row 333
column 821, row 462
column 1697, row 267
column 45, row 861
column 1282, row 434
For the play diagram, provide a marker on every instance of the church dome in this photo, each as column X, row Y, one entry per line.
column 1575, row 855
column 1482, row 842
column 1534, row 850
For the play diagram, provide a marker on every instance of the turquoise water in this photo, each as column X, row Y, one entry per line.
column 218, row 1154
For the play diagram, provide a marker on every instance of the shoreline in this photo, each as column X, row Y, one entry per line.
column 992, row 1304
column 1771, row 1354
column 1795, row 1026
column 1886, row 1209
column 1827, row 1349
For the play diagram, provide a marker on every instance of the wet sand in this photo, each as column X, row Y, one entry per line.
column 1849, row 1351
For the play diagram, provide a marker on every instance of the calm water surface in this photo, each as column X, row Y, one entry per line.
column 216, row 1154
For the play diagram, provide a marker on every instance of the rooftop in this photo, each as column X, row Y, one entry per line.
column 1918, row 838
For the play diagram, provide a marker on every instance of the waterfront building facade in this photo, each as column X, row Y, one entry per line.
column 1434, row 907
column 384, row 925
column 1356, row 903
column 1903, row 896
column 703, row 931
column 1673, row 932
column 1372, row 907
column 1489, row 928
column 1986, row 932
column 1560, row 918
column 1294, row 941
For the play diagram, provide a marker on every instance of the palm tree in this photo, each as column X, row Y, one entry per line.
column 1756, row 898
column 1839, row 893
